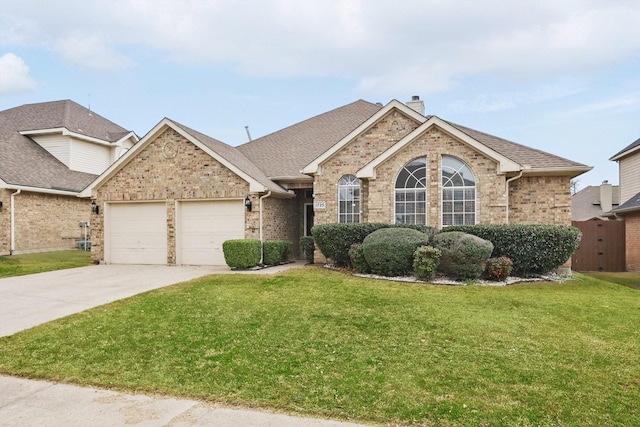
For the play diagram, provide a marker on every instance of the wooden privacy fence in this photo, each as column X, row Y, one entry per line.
column 602, row 247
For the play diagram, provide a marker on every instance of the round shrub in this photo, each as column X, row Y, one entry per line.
column 308, row 247
column 464, row 256
column 389, row 251
column 425, row 262
column 499, row 268
column 242, row 253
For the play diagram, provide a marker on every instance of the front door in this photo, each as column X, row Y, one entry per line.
column 308, row 218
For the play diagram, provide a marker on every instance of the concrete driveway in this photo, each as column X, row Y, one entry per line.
column 27, row 301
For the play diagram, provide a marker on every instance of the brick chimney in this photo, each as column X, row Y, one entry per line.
column 416, row 104
column 606, row 196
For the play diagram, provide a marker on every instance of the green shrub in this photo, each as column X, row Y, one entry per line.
column 242, row 253
column 335, row 240
column 425, row 262
column 534, row 249
column 308, row 248
column 275, row 252
column 464, row 256
column 498, row 268
column 358, row 261
column 389, row 251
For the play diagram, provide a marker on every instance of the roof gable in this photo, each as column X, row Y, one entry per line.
column 504, row 164
column 223, row 153
column 313, row 166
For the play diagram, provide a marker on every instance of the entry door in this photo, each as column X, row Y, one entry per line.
column 308, row 218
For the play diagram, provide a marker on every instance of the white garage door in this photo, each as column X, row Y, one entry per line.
column 204, row 226
column 136, row 233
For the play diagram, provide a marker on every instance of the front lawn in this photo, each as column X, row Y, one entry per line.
column 626, row 278
column 18, row 265
column 322, row 343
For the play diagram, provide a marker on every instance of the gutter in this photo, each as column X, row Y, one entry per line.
column 261, row 230
column 13, row 222
column 513, row 178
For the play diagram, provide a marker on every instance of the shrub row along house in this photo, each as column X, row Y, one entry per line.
column 177, row 194
column 49, row 152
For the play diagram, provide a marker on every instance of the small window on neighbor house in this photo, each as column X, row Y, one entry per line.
column 411, row 193
column 349, row 199
column 458, row 193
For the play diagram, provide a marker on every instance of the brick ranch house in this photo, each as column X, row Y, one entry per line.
column 177, row 195
column 49, row 152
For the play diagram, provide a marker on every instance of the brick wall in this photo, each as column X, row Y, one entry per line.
column 171, row 168
column 632, row 231
column 540, row 200
column 43, row 222
column 281, row 220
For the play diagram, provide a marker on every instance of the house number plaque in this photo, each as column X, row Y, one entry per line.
column 319, row 205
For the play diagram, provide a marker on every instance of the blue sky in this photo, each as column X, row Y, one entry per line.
column 561, row 76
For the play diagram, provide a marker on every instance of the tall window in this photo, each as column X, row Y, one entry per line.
column 349, row 199
column 411, row 193
column 458, row 193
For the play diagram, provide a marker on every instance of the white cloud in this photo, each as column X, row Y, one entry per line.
column 91, row 53
column 387, row 46
column 14, row 75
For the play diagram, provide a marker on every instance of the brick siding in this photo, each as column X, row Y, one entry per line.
column 43, row 222
column 632, row 231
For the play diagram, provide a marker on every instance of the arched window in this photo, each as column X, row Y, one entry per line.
column 349, row 199
column 411, row 193
column 458, row 193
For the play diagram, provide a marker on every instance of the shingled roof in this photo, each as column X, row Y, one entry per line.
column 635, row 145
column 25, row 163
column 525, row 156
column 283, row 154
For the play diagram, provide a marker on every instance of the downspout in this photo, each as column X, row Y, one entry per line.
column 13, row 222
column 513, row 178
column 261, row 231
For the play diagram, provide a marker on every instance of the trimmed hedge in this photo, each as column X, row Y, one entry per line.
column 389, row 251
column 463, row 256
column 242, row 253
column 358, row 261
column 335, row 240
column 533, row 249
column 308, row 248
column 276, row 252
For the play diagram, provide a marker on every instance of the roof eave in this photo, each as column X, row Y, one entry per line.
column 562, row 171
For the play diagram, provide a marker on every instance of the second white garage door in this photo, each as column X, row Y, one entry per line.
column 204, row 226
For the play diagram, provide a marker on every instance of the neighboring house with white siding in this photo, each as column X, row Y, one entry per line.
column 48, row 153
column 629, row 209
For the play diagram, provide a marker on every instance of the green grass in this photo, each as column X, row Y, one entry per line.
column 19, row 265
column 627, row 278
column 322, row 343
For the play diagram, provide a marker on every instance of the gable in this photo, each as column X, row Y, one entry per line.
column 171, row 152
column 375, row 135
column 503, row 163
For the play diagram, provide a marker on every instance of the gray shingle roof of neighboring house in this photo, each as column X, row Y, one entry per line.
column 521, row 154
column 629, row 147
column 24, row 163
column 633, row 204
column 286, row 152
column 232, row 155
column 585, row 204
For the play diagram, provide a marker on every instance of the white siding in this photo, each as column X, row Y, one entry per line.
column 89, row 157
column 58, row 145
column 629, row 177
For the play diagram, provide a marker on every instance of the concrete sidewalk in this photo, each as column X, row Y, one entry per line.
column 40, row 403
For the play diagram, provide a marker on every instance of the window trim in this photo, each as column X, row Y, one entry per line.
column 356, row 215
column 415, row 189
column 442, row 188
